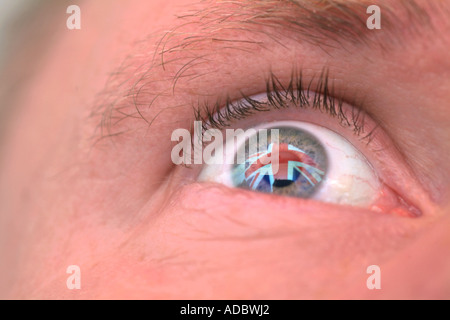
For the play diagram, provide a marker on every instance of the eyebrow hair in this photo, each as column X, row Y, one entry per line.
column 321, row 22
column 328, row 24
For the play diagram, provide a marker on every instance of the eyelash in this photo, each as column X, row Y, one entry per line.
column 220, row 115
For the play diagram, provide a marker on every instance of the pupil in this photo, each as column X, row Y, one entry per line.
column 278, row 183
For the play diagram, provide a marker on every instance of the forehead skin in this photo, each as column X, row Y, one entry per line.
column 70, row 198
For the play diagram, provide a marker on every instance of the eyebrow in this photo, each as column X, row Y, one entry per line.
column 322, row 22
column 328, row 24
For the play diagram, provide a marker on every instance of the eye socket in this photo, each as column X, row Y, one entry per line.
column 301, row 160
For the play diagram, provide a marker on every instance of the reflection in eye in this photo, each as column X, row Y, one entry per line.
column 302, row 163
column 311, row 162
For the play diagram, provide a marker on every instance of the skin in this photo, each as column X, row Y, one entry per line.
column 140, row 227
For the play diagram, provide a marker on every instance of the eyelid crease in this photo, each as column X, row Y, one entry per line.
column 320, row 97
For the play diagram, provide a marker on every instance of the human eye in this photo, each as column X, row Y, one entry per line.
column 311, row 162
column 300, row 140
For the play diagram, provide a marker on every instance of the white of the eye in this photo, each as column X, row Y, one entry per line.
column 349, row 178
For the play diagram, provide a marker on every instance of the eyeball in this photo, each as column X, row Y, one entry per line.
column 295, row 159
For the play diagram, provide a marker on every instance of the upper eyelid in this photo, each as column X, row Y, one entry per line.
column 302, row 93
column 204, row 27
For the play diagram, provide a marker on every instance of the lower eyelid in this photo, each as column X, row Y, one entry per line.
column 246, row 206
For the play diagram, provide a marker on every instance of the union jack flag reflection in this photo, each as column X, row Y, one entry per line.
column 294, row 173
